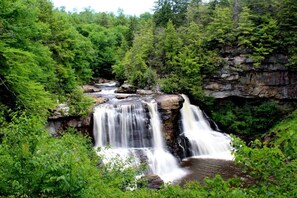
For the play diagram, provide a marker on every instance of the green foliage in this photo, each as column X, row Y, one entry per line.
column 286, row 135
column 187, row 60
column 72, row 51
column 23, row 78
column 167, row 49
column 287, row 18
column 79, row 103
column 245, row 29
column 135, row 63
column 272, row 164
column 170, row 10
column 246, row 119
column 33, row 164
column 220, row 29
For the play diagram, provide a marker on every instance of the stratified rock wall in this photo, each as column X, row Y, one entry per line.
column 58, row 125
column 239, row 77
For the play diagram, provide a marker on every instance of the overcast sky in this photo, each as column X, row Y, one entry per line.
column 130, row 7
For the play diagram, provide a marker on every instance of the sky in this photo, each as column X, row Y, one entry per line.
column 130, row 7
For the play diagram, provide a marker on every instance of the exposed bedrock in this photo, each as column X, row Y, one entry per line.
column 272, row 79
column 169, row 108
column 57, row 125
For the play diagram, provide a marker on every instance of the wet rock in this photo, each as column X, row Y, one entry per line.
column 151, row 181
column 99, row 81
column 249, row 61
column 90, row 89
column 126, row 88
column 169, row 102
column 100, row 100
column 144, row 92
column 120, row 97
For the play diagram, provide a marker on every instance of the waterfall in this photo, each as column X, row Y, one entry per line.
column 162, row 162
column 121, row 126
column 204, row 141
column 130, row 131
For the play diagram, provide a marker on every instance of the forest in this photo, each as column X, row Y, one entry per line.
column 46, row 54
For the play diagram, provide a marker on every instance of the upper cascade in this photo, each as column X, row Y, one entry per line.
column 204, row 141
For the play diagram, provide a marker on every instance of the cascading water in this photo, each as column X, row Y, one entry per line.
column 132, row 128
column 162, row 162
column 130, row 131
column 204, row 141
column 121, row 126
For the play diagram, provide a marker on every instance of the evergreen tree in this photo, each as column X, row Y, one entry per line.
column 245, row 29
column 193, row 10
column 174, row 10
column 287, row 25
column 220, row 29
column 136, row 62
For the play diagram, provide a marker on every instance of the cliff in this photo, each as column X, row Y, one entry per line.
column 239, row 77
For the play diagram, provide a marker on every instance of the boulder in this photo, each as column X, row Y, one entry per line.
column 126, row 88
column 56, row 126
column 120, row 97
column 90, row 89
column 169, row 102
column 151, row 181
column 144, row 92
column 100, row 100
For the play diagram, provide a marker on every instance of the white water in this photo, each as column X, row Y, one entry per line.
column 120, row 127
column 162, row 162
column 123, row 128
column 204, row 141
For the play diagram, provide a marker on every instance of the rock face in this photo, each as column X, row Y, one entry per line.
column 240, row 78
column 57, row 125
column 169, row 107
column 60, row 111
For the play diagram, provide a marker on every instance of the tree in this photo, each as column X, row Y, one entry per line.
column 27, row 70
column 136, row 61
column 287, row 24
column 168, row 48
column 193, row 10
column 219, row 30
column 245, row 29
column 189, row 62
column 174, row 10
